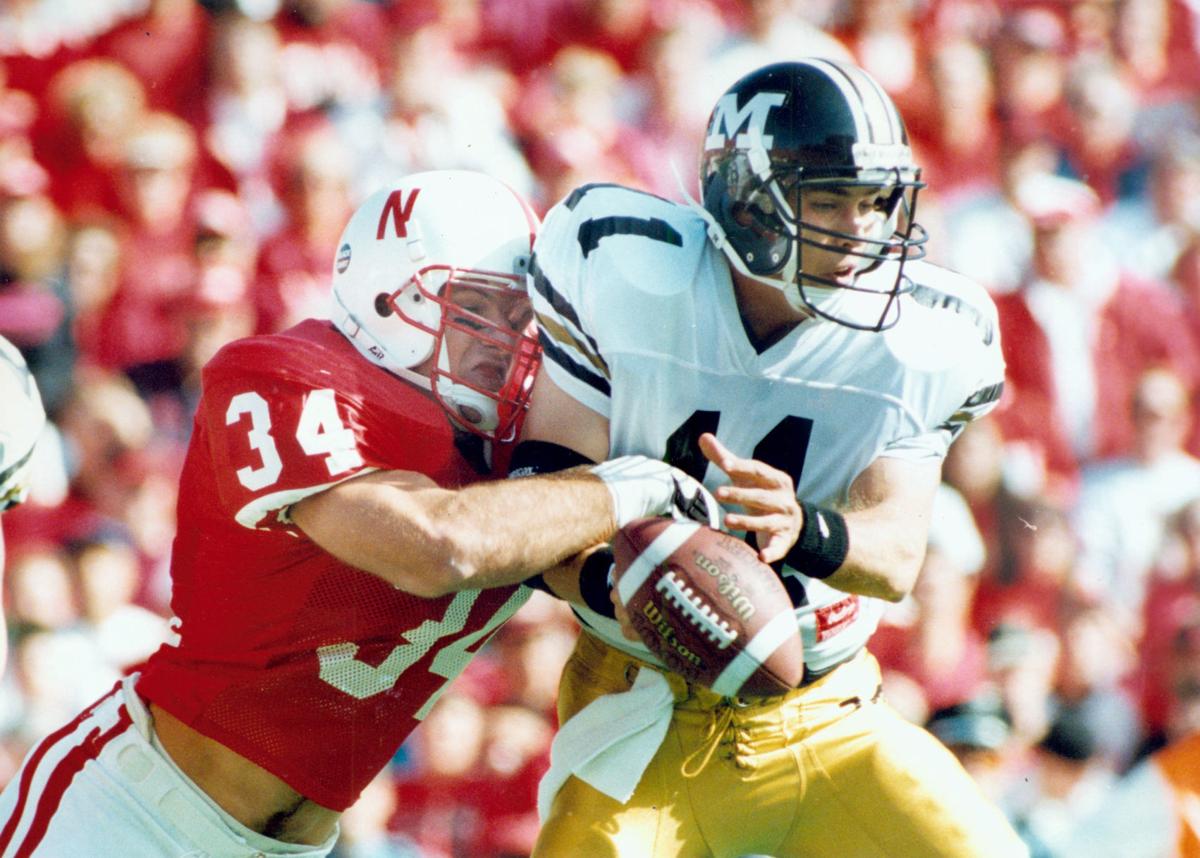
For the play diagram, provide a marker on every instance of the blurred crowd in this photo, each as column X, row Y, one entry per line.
column 175, row 174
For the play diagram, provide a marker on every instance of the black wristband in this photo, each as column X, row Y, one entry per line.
column 823, row 543
column 543, row 457
column 594, row 585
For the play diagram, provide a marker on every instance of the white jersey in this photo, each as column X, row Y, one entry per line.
column 639, row 322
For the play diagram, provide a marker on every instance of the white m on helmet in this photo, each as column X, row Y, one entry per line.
column 21, row 420
column 405, row 252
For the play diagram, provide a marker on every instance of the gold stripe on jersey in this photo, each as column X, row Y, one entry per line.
column 561, row 336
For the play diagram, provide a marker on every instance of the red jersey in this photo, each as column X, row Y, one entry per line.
column 312, row 669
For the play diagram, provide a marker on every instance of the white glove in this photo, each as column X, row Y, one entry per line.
column 643, row 487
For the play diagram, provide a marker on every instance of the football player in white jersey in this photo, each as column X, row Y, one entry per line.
column 22, row 418
column 783, row 341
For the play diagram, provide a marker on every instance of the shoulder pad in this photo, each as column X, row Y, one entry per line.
column 612, row 233
column 940, row 288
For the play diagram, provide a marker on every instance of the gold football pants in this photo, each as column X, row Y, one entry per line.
column 825, row 771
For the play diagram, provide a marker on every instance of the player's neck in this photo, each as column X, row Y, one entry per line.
column 767, row 316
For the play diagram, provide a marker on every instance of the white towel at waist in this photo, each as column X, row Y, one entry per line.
column 610, row 742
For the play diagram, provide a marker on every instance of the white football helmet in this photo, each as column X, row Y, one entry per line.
column 22, row 418
column 401, row 257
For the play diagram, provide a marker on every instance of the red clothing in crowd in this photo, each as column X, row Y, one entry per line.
column 1142, row 324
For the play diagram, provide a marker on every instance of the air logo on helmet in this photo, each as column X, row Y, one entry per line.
column 400, row 210
column 728, row 120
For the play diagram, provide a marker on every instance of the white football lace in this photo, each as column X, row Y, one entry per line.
column 699, row 613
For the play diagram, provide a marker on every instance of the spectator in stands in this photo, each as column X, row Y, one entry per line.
column 885, row 37
column 1172, row 604
column 1150, row 231
column 959, row 138
column 1154, row 49
column 365, row 831
column 244, row 106
column 668, row 101
column 978, row 732
column 1029, row 54
column 988, row 235
column 1126, row 502
column 164, row 46
column 18, row 108
column 1078, row 332
column 53, row 662
column 140, row 334
column 975, row 468
column 1071, row 779
column 1033, row 566
column 1183, row 672
column 1022, row 665
column 333, row 51
column 92, row 105
column 930, row 639
column 32, row 238
column 122, row 632
column 1149, row 812
column 528, row 649
column 219, row 306
column 92, row 271
column 516, row 753
column 571, row 127
column 1101, row 148
column 439, row 796
column 106, row 427
column 1093, row 682
column 312, row 176
column 438, row 110
column 769, row 31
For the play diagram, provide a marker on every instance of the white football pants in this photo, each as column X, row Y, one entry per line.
column 98, row 787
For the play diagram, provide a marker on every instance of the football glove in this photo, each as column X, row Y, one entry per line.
column 643, row 487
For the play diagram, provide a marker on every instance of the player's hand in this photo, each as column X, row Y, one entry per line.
column 622, row 616
column 766, row 495
column 641, row 487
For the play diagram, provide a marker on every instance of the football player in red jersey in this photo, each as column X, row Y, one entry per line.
column 341, row 550
column 21, row 420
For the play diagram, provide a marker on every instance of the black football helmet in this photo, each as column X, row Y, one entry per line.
column 787, row 128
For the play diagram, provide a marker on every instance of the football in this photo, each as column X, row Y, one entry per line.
column 703, row 602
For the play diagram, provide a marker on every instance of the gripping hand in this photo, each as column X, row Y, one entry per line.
column 642, row 487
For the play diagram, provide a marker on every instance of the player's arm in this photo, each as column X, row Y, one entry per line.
column 559, row 422
column 887, row 521
column 429, row 541
column 557, row 417
column 873, row 546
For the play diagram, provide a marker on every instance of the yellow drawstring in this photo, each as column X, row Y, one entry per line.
column 716, row 728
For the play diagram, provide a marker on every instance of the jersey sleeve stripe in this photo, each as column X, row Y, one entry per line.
column 11, row 485
column 559, row 304
column 565, row 339
column 984, row 395
column 559, row 357
column 934, row 298
column 594, row 229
